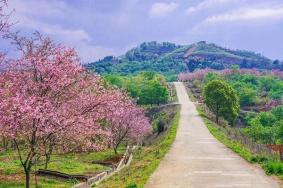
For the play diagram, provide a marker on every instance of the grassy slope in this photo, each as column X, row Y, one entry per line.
column 11, row 173
column 145, row 161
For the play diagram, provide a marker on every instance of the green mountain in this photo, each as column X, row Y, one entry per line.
column 171, row 59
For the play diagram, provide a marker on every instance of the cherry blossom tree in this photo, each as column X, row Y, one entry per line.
column 48, row 101
column 37, row 94
column 127, row 124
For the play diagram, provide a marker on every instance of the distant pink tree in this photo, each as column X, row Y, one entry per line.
column 201, row 73
column 128, row 123
column 196, row 75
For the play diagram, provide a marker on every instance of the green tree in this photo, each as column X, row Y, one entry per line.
column 154, row 93
column 266, row 119
column 278, row 112
column 211, row 76
column 262, row 134
column 222, row 100
column 146, row 87
column 247, row 96
column 235, row 68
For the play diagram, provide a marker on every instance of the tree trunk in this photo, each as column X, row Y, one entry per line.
column 217, row 119
column 47, row 159
column 115, row 150
column 281, row 154
column 27, row 173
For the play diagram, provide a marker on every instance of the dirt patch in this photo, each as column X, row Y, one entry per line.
column 189, row 51
column 114, row 160
column 11, row 177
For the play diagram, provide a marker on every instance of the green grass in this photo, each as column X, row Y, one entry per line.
column 145, row 161
column 43, row 182
column 12, row 175
column 191, row 95
column 271, row 165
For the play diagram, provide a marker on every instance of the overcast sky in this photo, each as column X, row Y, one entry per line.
column 97, row 28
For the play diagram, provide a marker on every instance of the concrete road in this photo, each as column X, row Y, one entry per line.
column 198, row 160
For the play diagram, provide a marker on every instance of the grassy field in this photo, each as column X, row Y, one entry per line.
column 145, row 161
column 12, row 175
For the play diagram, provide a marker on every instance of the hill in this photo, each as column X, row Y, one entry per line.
column 171, row 59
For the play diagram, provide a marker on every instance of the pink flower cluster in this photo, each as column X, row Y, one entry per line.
column 50, row 96
column 200, row 74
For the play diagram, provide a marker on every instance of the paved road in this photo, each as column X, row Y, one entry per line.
column 198, row 160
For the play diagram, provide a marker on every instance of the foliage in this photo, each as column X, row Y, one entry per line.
column 267, row 127
column 210, row 77
column 273, row 86
column 146, row 87
column 252, row 86
column 222, row 100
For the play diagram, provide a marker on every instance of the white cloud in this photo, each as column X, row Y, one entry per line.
column 242, row 15
column 29, row 15
column 247, row 15
column 77, row 38
column 207, row 4
column 159, row 10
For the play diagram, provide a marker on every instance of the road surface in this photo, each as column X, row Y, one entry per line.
column 198, row 160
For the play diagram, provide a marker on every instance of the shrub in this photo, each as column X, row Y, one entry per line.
column 160, row 126
column 274, row 167
column 132, row 185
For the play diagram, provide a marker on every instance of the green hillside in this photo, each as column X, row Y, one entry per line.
column 170, row 59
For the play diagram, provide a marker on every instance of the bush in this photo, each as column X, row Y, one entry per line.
column 248, row 96
column 278, row 112
column 275, row 167
column 266, row 119
column 132, row 185
column 210, row 77
column 160, row 126
column 259, row 159
column 266, row 128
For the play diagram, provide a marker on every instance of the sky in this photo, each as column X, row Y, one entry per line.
column 97, row 28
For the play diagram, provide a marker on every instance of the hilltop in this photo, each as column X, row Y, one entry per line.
column 171, row 59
